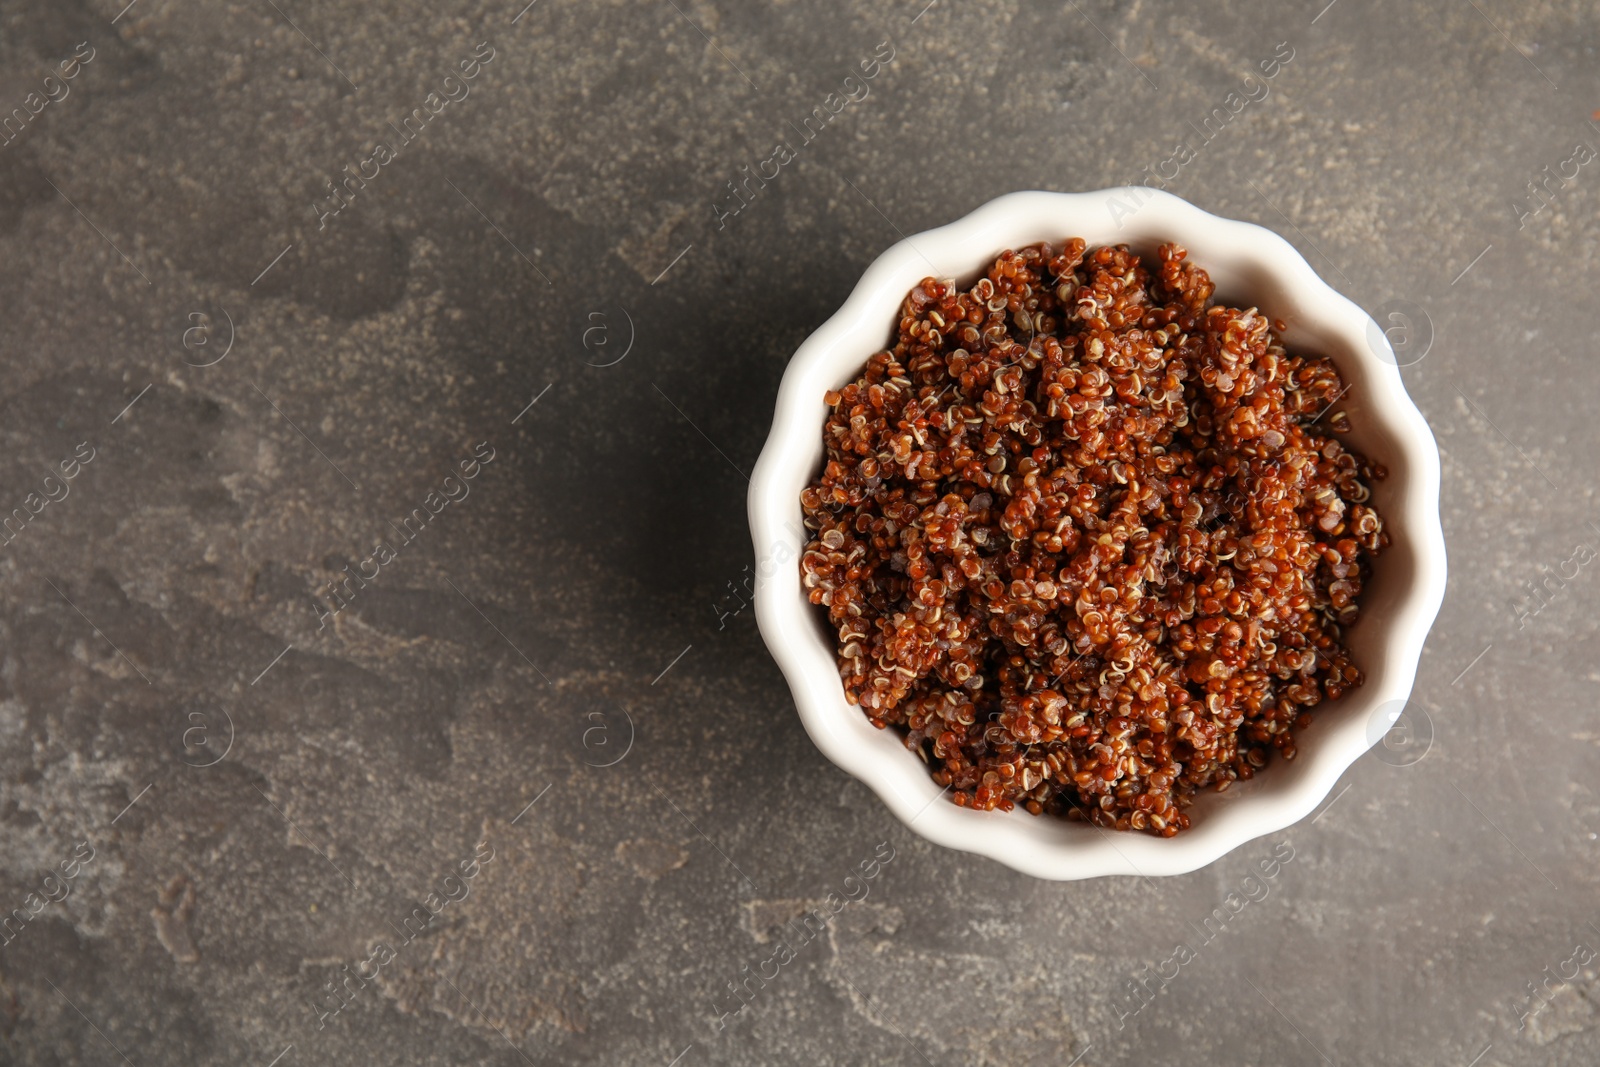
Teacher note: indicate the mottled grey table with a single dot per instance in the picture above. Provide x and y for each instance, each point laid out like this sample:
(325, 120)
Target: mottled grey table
(390, 623)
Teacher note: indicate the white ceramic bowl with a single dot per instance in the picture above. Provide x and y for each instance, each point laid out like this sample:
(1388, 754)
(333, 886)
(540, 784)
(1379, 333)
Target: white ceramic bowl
(1251, 266)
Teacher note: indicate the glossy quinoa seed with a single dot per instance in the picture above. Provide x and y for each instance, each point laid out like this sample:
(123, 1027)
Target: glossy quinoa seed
(1087, 539)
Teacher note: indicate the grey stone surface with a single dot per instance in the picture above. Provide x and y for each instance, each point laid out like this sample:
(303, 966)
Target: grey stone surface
(164, 605)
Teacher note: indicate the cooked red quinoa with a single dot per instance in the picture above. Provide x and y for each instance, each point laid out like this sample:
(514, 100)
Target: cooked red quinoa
(1086, 537)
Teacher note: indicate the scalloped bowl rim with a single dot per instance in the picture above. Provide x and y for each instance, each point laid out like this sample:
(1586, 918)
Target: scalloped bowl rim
(1239, 255)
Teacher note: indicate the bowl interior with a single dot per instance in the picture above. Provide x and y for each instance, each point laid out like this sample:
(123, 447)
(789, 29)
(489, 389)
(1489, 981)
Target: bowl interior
(1251, 267)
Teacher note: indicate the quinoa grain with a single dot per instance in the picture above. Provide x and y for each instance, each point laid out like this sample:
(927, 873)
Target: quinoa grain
(1082, 540)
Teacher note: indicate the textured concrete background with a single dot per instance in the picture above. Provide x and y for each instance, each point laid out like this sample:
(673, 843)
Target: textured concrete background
(251, 802)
